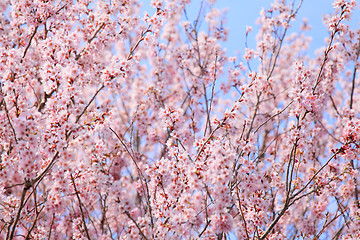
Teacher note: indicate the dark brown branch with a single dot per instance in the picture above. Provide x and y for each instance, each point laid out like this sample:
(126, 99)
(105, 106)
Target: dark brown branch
(207, 140)
(334, 105)
(27, 186)
(136, 224)
(287, 203)
(46, 170)
(254, 116)
(89, 103)
(327, 51)
(242, 214)
(354, 77)
(51, 225)
(142, 177)
(314, 176)
(80, 206)
(292, 15)
(204, 229)
(208, 123)
(36, 217)
(356, 192)
(77, 57)
(9, 119)
(132, 49)
(29, 43)
(44, 100)
(28, 235)
(272, 225)
(209, 106)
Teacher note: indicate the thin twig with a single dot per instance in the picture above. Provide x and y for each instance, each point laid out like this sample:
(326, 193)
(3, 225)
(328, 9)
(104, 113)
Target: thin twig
(277, 114)
(332, 135)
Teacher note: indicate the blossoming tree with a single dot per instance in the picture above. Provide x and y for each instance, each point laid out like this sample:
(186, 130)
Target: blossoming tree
(116, 124)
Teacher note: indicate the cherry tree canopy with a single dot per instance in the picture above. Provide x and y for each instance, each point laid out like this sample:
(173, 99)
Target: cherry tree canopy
(118, 124)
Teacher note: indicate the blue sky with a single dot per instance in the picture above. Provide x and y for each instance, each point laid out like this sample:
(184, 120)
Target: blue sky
(245, 12)
(242, 13)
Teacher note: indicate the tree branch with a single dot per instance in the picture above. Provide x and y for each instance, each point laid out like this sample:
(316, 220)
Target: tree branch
(80, 206)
